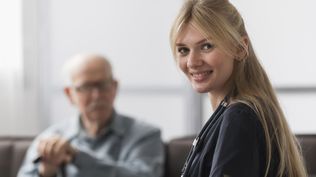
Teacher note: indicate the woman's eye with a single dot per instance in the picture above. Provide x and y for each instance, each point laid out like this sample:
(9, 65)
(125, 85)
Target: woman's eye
(207, 46)
(183, 50)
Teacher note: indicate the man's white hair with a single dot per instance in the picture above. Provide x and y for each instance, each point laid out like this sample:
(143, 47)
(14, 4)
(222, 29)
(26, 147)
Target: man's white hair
(78, 61)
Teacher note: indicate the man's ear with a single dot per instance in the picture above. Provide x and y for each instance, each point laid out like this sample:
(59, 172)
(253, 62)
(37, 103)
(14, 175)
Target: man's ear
(67, 91)
(115, 86)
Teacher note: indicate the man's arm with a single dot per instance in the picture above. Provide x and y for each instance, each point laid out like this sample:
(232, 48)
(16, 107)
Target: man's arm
(28, 168)
(54, 152)
(145, 158)
(31, 169)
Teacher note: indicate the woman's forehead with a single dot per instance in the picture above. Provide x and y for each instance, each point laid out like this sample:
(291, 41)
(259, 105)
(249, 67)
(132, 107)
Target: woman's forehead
(190, 33)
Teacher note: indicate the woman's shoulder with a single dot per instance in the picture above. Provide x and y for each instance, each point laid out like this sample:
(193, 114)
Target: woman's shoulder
(240, 120)
(240, 108)
(240, 112)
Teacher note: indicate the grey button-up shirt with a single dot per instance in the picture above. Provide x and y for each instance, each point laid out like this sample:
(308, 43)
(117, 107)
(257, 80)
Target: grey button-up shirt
(126, 148)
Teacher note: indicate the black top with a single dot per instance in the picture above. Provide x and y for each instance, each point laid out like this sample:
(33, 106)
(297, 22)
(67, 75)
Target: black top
(231, 144)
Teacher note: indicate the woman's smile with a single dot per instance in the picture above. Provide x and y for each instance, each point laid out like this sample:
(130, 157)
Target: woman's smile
(201, 75)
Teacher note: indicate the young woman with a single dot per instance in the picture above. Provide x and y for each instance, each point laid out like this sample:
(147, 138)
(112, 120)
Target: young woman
(247, 135)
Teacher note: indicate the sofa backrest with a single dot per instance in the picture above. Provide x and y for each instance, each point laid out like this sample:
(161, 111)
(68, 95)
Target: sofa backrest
(12, 151)
(176, 152)
(308, 145)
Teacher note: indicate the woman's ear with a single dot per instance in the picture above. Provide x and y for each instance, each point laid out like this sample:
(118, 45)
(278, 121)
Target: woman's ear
(243, 50)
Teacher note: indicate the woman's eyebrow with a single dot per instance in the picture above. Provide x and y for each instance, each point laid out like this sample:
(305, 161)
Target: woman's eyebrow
(180, 44)
(199, 42)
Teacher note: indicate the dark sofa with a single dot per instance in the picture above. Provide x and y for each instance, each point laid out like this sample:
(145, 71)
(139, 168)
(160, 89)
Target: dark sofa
(12, 150)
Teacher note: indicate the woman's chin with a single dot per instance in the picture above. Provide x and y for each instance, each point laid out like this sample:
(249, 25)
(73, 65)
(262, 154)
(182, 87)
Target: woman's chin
(200, 89)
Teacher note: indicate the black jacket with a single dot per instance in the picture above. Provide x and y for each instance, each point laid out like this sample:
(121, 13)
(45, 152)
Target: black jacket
(231, 144)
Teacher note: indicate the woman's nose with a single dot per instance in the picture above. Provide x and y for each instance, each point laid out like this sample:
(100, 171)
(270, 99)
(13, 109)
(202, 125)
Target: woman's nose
(194, 60)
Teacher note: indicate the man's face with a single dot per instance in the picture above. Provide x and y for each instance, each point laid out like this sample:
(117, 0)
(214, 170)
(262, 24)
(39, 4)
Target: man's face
(93, 91)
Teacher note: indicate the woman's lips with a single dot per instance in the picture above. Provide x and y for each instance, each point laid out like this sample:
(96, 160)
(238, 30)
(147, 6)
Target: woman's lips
(200, 76)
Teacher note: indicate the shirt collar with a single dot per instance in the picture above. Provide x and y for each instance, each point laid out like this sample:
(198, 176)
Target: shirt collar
(115, 126)
(73, 128)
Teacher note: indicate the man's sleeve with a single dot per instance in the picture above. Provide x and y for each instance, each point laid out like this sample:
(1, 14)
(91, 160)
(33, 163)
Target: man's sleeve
(145, 158)
(28, 168)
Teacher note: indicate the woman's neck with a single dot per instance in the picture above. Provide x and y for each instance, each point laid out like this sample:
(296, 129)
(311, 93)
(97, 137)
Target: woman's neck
(215, 100)
(217, 97)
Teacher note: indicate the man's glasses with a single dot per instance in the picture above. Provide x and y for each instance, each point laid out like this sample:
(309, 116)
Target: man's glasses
(100, 86)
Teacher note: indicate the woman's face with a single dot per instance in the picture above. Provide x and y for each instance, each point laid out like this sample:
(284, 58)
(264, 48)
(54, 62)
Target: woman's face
(207, 67)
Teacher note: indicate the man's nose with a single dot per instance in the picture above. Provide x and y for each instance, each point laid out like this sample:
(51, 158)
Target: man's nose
(95, 92)
(194, 59)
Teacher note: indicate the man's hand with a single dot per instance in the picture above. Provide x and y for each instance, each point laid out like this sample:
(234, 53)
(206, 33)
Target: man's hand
(54, 152)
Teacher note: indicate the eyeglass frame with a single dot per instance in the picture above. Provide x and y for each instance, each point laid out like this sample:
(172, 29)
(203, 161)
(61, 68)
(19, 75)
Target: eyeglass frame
(102, 86)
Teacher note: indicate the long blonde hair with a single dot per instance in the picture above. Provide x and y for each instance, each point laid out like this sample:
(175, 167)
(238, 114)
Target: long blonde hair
(220, 21)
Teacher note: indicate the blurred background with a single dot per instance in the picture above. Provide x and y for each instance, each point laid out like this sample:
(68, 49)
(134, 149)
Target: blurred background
(37, 36)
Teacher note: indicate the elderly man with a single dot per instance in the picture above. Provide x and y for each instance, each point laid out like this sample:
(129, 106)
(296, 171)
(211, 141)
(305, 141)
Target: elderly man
(98, 142)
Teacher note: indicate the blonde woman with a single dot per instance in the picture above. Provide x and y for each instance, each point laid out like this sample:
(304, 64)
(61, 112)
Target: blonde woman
(247, 135)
